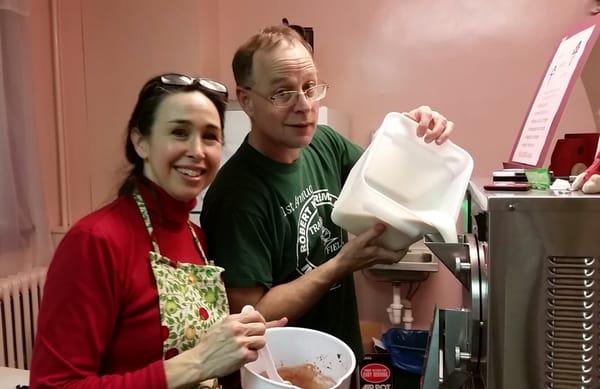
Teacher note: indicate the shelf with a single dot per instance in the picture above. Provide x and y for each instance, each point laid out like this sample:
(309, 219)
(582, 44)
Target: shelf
(414, 267)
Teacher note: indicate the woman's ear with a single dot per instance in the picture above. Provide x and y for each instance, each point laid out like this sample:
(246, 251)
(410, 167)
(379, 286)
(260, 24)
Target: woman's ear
(243, 97)
(140, 143)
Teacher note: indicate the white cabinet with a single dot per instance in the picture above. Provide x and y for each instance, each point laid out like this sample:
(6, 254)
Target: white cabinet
(337, 120)
(237, 126)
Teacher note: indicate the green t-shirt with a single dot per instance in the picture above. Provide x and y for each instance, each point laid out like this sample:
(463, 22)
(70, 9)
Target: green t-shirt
(268, 223)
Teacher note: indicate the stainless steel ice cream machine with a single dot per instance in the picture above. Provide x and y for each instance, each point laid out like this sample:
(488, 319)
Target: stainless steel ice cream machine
(530, 262)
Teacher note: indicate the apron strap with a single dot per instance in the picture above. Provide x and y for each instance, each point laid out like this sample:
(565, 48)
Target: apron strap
(148, 223)
(146, 217)
(198, 244)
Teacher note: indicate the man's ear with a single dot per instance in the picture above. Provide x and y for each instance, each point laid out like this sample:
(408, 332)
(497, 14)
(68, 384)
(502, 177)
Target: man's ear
(140, 143)
(246, 102)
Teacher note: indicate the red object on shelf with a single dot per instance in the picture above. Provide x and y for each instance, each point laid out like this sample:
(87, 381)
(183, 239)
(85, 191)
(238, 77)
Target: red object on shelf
(574, 149)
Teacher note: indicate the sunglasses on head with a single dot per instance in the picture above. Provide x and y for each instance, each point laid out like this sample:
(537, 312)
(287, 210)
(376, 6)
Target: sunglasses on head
(175, 79)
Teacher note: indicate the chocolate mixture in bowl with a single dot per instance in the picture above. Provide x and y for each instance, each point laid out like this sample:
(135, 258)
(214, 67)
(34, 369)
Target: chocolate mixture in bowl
(305, 376)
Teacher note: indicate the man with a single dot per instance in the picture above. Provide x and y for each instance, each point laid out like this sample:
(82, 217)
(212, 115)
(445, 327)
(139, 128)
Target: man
(267, 215)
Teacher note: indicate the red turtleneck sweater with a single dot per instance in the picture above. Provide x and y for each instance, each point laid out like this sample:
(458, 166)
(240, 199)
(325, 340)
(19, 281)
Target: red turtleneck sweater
(99, 323)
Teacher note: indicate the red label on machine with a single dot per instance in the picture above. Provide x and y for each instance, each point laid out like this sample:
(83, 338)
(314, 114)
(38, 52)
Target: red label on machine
(375, 373)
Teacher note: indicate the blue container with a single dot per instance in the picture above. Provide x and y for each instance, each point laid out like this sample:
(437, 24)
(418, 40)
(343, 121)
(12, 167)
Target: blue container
(407, 349)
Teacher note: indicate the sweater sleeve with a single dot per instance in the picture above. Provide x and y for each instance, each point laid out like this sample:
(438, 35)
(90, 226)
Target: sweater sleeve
(78, 317)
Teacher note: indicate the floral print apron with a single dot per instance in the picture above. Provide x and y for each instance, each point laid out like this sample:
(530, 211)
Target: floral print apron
(191, 297)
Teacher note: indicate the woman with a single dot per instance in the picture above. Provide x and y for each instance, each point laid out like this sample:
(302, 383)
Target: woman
(130, 298)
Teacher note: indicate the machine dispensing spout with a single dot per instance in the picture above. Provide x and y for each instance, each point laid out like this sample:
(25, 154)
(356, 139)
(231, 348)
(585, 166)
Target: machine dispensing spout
(455, 256)
(395, 309)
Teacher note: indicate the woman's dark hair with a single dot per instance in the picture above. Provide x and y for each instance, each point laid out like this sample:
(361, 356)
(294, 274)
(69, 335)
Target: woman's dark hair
(142, 118)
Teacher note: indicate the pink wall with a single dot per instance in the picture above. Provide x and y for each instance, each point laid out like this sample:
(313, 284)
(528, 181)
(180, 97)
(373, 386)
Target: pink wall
(106, 50)
(40, 31)
(125, 43)
(477, 62)
(72, 111)
(591, 76)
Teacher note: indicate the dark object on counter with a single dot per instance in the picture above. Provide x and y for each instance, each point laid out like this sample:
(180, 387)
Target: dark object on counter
(507, 186)
(407, 349)
(510, 175)
(306, 32)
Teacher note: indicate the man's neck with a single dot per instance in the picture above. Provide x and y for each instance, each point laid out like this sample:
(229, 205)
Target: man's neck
(271, 150)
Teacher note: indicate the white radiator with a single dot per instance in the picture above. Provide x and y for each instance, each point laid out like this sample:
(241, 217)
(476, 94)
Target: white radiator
(20, 297)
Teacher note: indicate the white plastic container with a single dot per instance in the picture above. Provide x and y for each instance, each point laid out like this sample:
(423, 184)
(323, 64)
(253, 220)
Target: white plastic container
(412, 187)
(293, 346)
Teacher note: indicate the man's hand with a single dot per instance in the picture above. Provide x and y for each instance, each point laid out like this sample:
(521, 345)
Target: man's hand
(362, 251)
(432, 125)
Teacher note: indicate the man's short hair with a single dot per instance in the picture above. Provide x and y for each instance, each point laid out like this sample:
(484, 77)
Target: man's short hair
(266, 39)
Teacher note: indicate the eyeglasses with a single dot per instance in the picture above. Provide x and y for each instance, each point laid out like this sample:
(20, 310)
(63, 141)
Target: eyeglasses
(183, 80)
(288, 98)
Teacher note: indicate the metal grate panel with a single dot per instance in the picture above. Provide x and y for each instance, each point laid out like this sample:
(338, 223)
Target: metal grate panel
(572, 349)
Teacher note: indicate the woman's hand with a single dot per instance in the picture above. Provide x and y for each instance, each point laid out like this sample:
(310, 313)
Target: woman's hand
(230, 344)
(277, 323)
(224, 348)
